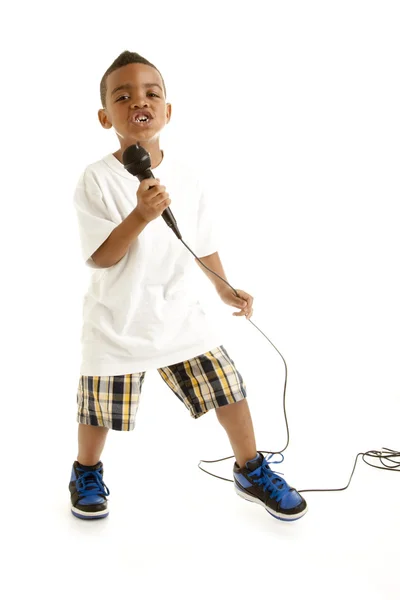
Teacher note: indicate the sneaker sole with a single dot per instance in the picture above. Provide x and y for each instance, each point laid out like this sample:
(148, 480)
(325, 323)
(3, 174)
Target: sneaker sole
(279, 516)
(81, 514)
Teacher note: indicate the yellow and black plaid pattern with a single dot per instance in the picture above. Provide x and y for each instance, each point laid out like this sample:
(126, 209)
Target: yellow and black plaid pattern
(202, 383)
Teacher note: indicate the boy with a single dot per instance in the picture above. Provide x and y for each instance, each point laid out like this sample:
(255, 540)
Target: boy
(140, 311)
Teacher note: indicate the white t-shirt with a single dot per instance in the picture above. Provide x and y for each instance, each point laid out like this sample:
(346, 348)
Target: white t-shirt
(142, 313)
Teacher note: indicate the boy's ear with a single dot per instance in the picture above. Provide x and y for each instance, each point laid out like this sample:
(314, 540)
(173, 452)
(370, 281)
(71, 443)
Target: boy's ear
(102, 116)
(168, 112)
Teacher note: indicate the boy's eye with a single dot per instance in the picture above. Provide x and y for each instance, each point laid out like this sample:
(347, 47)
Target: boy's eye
(125, 96)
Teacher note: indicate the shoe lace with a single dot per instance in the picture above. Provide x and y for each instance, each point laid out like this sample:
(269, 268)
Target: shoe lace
(269, 479)
(90, 482)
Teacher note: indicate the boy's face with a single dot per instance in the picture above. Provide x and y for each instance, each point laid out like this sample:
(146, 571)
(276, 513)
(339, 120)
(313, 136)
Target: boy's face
(143, 96)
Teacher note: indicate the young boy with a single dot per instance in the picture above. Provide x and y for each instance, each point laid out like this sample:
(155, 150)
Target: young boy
(140, 311)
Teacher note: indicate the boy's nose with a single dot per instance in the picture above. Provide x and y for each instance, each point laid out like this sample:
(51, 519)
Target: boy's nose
(139, 103)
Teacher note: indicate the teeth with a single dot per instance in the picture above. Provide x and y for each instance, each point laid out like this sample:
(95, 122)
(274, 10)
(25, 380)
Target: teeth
(142, 119)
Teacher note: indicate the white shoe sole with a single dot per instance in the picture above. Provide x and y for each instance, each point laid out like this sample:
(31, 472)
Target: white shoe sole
(82, 514)
(280, 516)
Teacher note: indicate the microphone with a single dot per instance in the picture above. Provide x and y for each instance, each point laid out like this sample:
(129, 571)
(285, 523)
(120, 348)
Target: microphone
(137, 162)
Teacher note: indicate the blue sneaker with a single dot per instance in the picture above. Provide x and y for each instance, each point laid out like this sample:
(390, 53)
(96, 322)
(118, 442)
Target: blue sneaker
(88, 492)
(257, 482)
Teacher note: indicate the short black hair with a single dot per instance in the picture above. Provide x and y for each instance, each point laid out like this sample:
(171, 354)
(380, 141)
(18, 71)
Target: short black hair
(126, 58)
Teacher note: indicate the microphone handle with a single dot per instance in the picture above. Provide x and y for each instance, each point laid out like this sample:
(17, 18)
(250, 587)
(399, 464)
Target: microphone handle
(167, 213)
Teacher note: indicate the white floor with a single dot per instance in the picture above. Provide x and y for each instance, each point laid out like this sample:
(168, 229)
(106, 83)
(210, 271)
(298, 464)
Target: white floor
(174, 531)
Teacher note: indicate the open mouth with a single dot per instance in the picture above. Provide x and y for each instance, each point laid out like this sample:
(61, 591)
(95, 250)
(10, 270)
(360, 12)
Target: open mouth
(142, 118)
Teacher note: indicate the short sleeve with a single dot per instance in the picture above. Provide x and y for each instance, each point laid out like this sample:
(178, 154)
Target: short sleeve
(206, 240)
(94, 221)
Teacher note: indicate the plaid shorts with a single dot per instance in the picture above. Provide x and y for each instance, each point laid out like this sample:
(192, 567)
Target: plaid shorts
(201, 383)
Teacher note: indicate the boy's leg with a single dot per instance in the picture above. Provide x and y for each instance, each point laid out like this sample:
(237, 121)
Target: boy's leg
(252, 483)
(236, 420)
(203, 383)
(91, 441)
(87, 488)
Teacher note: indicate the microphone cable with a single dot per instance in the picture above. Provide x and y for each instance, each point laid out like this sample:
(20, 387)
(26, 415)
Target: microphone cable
(387, 459)
(137, 162)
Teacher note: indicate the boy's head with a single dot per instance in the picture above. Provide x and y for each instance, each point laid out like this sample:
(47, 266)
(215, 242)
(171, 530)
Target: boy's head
(132, 88)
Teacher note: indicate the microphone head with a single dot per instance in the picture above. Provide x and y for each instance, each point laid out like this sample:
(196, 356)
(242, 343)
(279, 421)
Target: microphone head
(136, 160)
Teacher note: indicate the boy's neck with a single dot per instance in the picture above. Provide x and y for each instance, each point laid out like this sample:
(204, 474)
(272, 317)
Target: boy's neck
(156, 155)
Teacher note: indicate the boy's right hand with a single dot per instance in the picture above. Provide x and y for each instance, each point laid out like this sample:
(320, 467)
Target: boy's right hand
(152, 199)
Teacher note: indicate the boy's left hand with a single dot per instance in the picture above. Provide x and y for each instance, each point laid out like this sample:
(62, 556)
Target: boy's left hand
(245, 302)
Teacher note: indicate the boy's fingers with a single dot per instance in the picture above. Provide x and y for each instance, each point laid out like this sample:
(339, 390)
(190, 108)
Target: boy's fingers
(146, 184)
(247, 309)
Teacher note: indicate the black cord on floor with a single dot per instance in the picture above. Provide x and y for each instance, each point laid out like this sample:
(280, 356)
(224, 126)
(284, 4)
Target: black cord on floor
(384, 456)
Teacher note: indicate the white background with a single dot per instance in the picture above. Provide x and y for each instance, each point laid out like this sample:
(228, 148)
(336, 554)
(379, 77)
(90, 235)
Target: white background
(291, 111)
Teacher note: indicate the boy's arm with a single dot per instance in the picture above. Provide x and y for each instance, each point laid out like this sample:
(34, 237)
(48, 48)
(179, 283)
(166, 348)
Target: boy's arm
(117, 244)
(212, 261)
